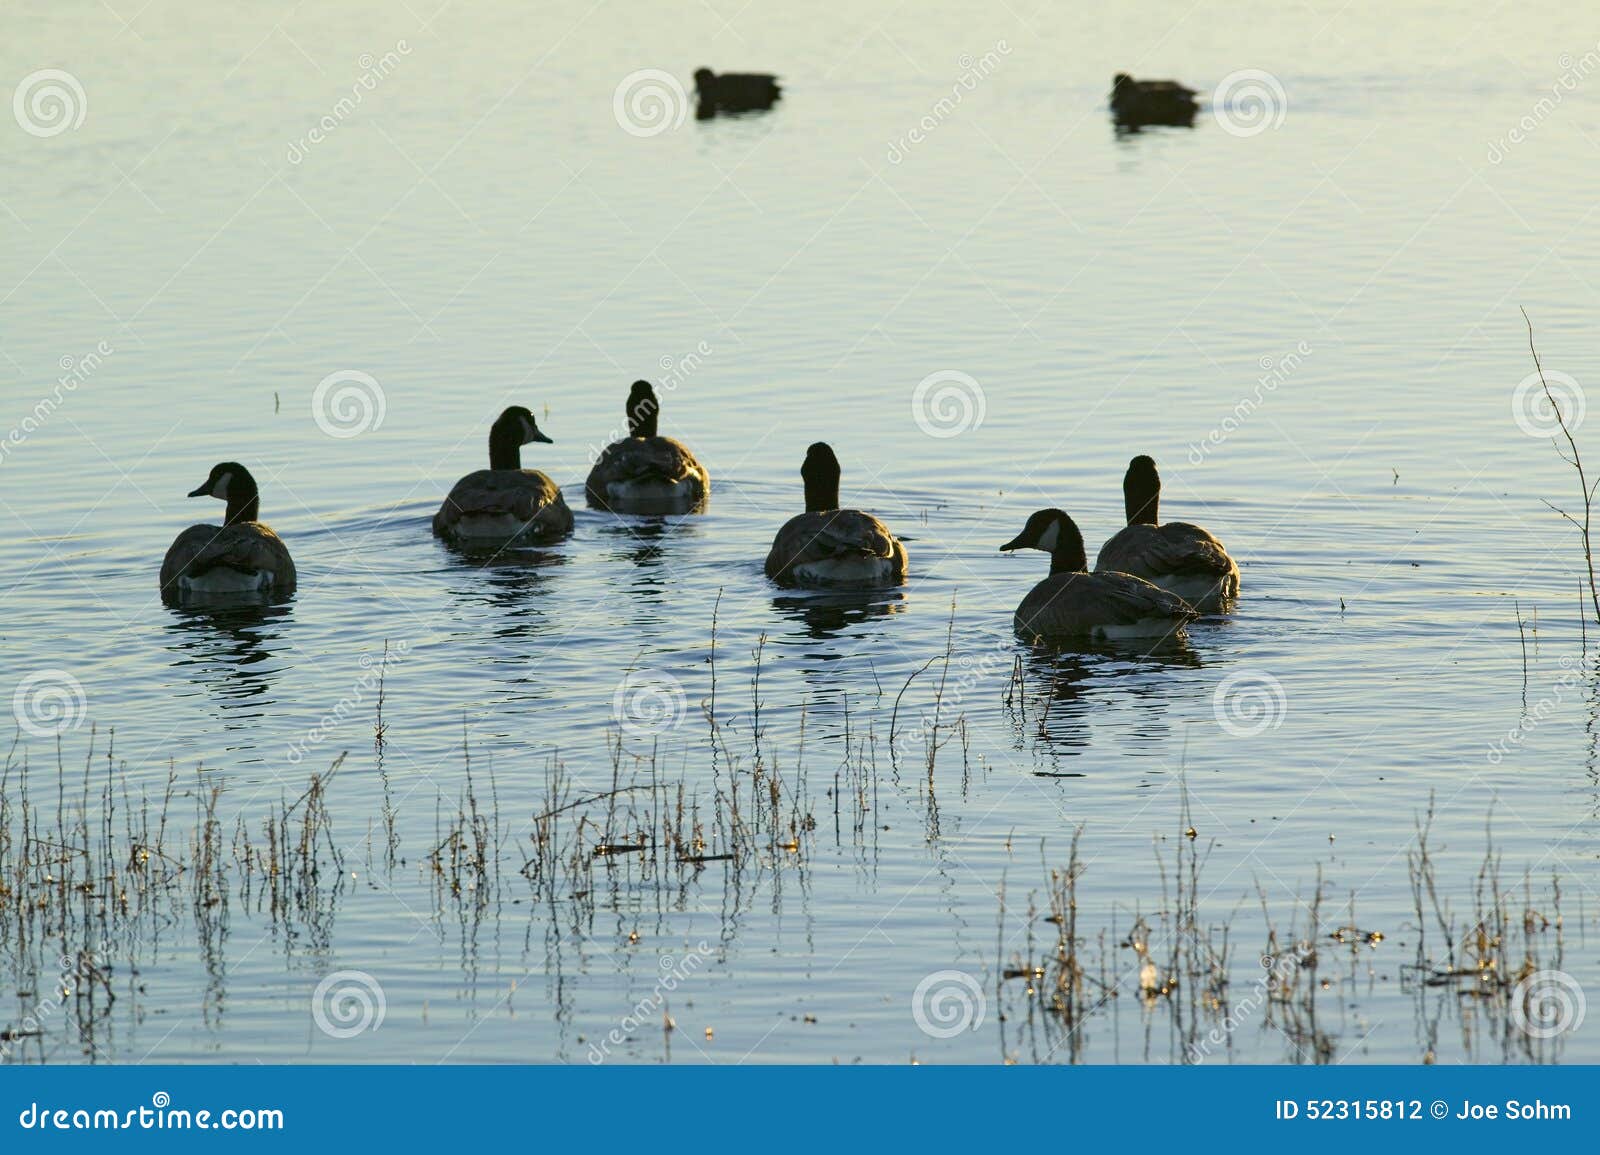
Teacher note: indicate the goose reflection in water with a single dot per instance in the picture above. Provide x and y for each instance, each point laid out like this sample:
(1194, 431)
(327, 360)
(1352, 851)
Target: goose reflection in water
(513, 583)
(1063, 691)
(826, 616)
(646, 542)
(229, 648)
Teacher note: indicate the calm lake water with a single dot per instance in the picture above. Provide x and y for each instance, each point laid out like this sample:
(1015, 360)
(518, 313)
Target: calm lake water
(1305, 307)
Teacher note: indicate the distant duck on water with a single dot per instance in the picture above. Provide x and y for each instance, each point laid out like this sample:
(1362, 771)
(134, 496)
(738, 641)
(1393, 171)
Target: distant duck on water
(645, 472)
(1135, 103)
(1071, 603)
(831, 548)
(505, 505)
(242, 556)
(734, 91)
(1180, 558)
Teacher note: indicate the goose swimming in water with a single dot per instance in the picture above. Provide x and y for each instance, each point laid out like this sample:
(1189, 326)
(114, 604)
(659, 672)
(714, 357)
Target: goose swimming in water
(505, 504)
(734, 91)
(1155, 102)
(1100, 605)
(240, 556)
(645, 472)
(1180, 558)
(830, 547)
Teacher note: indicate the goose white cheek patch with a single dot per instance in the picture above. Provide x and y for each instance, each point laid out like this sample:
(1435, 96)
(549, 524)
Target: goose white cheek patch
(1047, 539)
(220, 489)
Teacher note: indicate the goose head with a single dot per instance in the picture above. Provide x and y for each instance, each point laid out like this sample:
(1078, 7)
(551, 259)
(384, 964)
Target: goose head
(644, 410)
(1141, 492)
(820, 472)
(704, 78)
(231, 482)
(511, 431)
(1057, 534)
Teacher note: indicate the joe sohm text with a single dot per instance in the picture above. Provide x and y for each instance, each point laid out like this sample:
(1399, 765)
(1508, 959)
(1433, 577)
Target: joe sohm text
(1510, 1111)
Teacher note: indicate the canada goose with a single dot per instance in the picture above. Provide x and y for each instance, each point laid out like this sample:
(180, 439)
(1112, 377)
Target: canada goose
(1101, 605)
(832, 547)
(1180, 558)
(645, 472)
(735, 91)
(1140, 102)
(242, 555)
(505, 504)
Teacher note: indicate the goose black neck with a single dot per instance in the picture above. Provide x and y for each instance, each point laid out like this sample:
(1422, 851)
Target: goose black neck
(643, 411)
(1068, 556)
(505, 448)
(1141, 495)
(243, 507)
(822, 494)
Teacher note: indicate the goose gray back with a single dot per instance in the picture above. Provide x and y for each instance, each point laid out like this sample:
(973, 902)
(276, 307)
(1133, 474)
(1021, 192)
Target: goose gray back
(644, 472)
(831, 548)
(1180, 558)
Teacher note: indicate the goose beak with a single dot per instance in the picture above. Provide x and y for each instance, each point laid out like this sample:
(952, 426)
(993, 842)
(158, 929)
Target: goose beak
(1013, 544)
(538, 436)
(203, 490)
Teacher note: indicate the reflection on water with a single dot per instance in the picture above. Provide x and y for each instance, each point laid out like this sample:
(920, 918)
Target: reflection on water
(511, 583)
(827, 615)
(1061, 690)
(228, 649)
